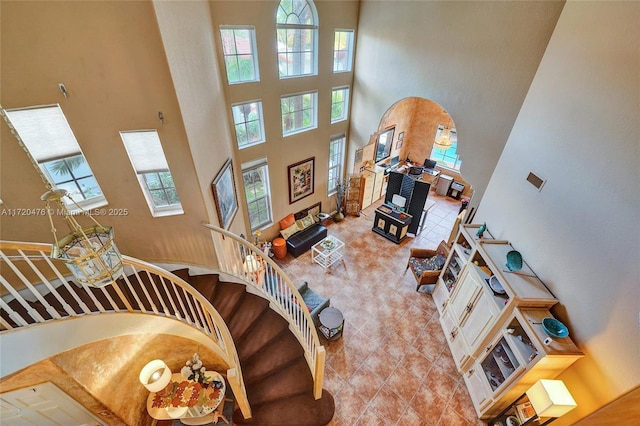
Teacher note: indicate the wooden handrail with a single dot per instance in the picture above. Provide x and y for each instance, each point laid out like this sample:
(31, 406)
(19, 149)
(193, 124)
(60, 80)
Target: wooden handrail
(31, 274)
(242, 260)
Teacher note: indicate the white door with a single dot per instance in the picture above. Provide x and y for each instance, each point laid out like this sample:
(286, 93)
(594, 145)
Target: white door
(43, 405)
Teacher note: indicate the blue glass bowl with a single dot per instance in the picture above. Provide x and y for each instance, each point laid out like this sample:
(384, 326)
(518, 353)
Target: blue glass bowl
(514, 260)
(554, 328)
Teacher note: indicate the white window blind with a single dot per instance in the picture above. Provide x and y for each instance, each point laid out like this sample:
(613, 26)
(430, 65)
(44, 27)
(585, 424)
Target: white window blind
(45, 131)
(145, 151)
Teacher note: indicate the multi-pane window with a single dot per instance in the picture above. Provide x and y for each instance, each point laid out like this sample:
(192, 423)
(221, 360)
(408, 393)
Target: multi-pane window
(249, 124)
(240, 54)
(298, 112)
(343, 50)
(336, 161)
(339, 104)
(447, 157)
(148, 161)
(255, 177)
(50, 141)
(297, 28)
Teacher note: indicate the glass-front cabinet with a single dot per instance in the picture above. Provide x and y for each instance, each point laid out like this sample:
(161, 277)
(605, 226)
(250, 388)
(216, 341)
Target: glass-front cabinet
(513, 361)
(462, 249)
(491, 317)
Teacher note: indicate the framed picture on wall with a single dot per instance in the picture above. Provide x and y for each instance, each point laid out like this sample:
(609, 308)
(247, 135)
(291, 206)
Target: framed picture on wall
(384, 143)
(400, 140)
(301, 179)
(224, 194)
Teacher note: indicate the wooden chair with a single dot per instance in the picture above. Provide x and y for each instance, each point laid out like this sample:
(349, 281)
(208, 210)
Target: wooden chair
(417, 259)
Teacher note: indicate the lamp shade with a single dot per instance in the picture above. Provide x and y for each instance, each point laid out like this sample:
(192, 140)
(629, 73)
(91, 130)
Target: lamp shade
(251, 264)
(155, 376)
(551, 398)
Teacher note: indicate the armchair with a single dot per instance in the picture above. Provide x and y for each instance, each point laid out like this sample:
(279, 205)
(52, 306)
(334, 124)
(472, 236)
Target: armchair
(426, 264)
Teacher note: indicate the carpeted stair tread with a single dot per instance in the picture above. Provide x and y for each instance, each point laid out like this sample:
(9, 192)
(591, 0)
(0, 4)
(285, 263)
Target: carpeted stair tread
(205, 284)
(226, 297)
(24, 313)
(293, 379)
(265, 329)
(248, 309)
(283, 350)
(297, 410)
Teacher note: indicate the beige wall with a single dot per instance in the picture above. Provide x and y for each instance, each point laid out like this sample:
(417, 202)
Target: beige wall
(281, 152)
(580, 233)
(103, 376)
(110, 57)
(475, 59)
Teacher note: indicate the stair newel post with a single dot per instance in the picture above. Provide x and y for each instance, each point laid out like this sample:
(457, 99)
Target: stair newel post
(239, 392)
(321, 355)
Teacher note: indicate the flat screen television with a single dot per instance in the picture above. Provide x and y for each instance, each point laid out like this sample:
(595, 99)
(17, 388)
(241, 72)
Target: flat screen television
(384, 144)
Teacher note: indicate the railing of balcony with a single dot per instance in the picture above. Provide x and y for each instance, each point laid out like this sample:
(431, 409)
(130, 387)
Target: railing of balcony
(239, 258)
(35, 289)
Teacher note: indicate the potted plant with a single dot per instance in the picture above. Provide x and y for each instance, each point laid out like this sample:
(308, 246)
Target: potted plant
(341, 190)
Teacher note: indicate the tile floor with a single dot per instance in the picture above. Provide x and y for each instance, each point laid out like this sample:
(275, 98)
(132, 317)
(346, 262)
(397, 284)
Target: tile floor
(392, 366)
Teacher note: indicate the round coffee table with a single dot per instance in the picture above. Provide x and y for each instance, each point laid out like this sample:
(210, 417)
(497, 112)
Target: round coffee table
(331, 323)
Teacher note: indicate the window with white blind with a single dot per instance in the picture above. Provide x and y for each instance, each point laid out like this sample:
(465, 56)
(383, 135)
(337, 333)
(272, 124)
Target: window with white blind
(336, 162)
(343, 51)
(49, 139)
(240, 54)
(255, 178)
(148, 161)
(339, 104)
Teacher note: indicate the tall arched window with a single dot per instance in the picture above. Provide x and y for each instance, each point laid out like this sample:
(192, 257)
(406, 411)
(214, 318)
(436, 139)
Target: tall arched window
(297, 30)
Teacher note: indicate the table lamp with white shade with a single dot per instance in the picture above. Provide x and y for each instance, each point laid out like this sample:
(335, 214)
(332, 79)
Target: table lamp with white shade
(155, 376)
(550, 398)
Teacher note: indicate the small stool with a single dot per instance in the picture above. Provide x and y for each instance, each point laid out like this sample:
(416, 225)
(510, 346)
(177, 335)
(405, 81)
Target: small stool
(279, 246)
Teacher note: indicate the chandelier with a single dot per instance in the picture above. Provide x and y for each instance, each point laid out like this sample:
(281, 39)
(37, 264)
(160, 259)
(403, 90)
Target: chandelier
(443, 138)
(90, 253)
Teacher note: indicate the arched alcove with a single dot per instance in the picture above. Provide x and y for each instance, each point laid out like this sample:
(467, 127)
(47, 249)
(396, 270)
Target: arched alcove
(415, 123)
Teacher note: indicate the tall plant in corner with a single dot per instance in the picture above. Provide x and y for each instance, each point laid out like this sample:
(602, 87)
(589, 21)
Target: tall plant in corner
(341, 190)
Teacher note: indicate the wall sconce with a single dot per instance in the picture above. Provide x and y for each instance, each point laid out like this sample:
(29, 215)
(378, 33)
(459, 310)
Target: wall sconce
(550, 398)
(155, 376)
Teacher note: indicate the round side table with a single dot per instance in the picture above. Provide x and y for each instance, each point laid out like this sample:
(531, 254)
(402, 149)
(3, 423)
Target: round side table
(331, 323)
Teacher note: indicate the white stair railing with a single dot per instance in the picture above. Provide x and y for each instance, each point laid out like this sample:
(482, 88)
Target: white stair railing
(34, 290)
(239, 258)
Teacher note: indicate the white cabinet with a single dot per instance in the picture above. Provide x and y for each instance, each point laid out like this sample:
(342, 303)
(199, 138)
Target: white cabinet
(515, 359)
(371, 186)
(491, 319)
(463, 247)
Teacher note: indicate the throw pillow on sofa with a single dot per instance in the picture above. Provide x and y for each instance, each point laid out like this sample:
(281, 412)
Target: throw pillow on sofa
(305, 222)
(289, 231)
(287, 221)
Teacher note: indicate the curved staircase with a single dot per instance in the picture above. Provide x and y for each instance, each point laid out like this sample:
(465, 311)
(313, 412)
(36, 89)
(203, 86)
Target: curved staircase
(258, 326)
(277, 377)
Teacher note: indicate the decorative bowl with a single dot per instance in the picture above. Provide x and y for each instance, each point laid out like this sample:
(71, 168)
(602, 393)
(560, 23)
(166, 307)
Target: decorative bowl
(514, 260)
(554, 328)
(495, 285)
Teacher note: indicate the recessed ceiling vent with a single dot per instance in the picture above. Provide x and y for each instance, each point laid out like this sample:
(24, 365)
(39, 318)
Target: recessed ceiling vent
(536, 181)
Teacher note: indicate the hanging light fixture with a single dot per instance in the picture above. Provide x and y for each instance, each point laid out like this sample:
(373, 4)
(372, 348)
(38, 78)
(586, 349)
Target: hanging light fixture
(90, 253)
(443, 138)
